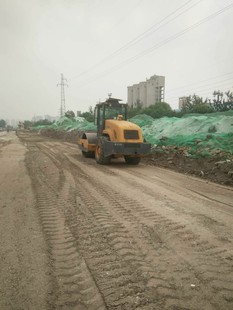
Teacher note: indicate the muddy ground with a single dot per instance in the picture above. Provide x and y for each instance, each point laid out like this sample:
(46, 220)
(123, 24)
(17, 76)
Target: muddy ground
(77, 235)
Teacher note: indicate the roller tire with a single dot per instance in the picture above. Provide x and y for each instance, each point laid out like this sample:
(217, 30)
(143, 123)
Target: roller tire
(99, 152)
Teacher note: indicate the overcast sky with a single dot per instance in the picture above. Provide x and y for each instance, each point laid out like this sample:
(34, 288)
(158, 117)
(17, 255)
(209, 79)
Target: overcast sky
(103, 46)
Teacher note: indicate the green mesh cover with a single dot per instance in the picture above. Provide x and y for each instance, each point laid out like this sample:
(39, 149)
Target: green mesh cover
(203, 134)
(69, 124)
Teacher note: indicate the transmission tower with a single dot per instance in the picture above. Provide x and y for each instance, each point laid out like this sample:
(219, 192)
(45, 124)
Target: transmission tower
(63, 101)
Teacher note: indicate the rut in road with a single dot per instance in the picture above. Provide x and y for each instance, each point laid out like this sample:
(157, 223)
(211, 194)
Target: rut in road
(206, 264)
(73, 286)
(125, 246)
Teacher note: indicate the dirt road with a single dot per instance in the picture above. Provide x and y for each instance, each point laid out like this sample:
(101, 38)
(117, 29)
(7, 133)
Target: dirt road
(77, 235)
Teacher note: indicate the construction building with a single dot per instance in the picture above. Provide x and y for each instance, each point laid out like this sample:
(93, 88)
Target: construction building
(147, 93)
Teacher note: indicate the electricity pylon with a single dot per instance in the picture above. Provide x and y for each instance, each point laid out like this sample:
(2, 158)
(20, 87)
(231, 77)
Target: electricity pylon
(63, 100)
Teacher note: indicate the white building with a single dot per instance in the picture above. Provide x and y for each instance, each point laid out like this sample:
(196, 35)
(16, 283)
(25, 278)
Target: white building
(147, 93)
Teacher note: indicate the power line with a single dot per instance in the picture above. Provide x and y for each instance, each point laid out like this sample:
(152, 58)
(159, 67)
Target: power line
(160, 44)
(177, 35)
(148, 32)
(140, 37)
(206, 88)
(171, 38)
(201, 81)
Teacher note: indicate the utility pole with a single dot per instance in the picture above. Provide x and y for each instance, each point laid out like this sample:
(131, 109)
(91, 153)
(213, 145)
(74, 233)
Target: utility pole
(63, 101)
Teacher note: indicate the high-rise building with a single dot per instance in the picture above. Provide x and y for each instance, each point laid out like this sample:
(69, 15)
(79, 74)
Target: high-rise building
(147, 93)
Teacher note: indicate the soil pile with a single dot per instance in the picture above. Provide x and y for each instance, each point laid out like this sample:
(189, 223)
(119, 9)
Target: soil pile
(217, 168)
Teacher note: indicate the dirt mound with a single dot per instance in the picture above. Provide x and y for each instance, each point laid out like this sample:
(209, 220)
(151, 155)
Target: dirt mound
(217, 168)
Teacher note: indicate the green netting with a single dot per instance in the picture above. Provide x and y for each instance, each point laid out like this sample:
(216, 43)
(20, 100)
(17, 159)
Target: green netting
(202, 134)
(69, 124)
(202, 144)
(39, 127)
(142, 120)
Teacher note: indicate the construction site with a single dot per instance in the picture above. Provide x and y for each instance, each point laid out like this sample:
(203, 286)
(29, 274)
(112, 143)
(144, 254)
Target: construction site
(79, 233)
(116, 155)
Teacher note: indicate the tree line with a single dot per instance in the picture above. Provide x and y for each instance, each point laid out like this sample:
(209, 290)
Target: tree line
(221, 102)
(192, 104)
(2, 123)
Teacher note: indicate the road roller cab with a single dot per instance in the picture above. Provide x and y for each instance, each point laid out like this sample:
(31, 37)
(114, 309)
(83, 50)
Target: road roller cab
(115, 136)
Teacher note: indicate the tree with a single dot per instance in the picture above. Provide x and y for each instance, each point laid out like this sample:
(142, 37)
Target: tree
(2, 123)
(158, 110)
(202, 108)
(196, 104)
(135, 109)
(220, 103)
(90, 110)
(88, 116)
(218, 96)
(28, 124)
(229, 96)
(70, 114)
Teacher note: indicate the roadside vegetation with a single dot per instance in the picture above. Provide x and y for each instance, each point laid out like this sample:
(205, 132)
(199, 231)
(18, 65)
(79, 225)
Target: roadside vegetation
(220, 102)
(2, 124)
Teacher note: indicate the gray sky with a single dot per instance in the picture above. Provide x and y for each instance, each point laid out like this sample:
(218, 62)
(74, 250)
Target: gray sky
(103, 46)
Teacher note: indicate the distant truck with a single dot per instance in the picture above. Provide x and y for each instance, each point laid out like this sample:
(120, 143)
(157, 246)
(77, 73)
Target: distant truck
(115, 136)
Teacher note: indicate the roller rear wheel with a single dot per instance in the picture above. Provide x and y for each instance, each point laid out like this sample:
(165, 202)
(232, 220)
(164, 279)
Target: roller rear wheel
(99, 152)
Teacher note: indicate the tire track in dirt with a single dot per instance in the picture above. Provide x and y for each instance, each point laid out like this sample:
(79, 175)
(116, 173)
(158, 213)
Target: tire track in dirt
(112, 254)
(202, 252)
(3, 143)
(186, 194)
(213, 224)
(120, 249)
(73, 285)
(128, 248)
